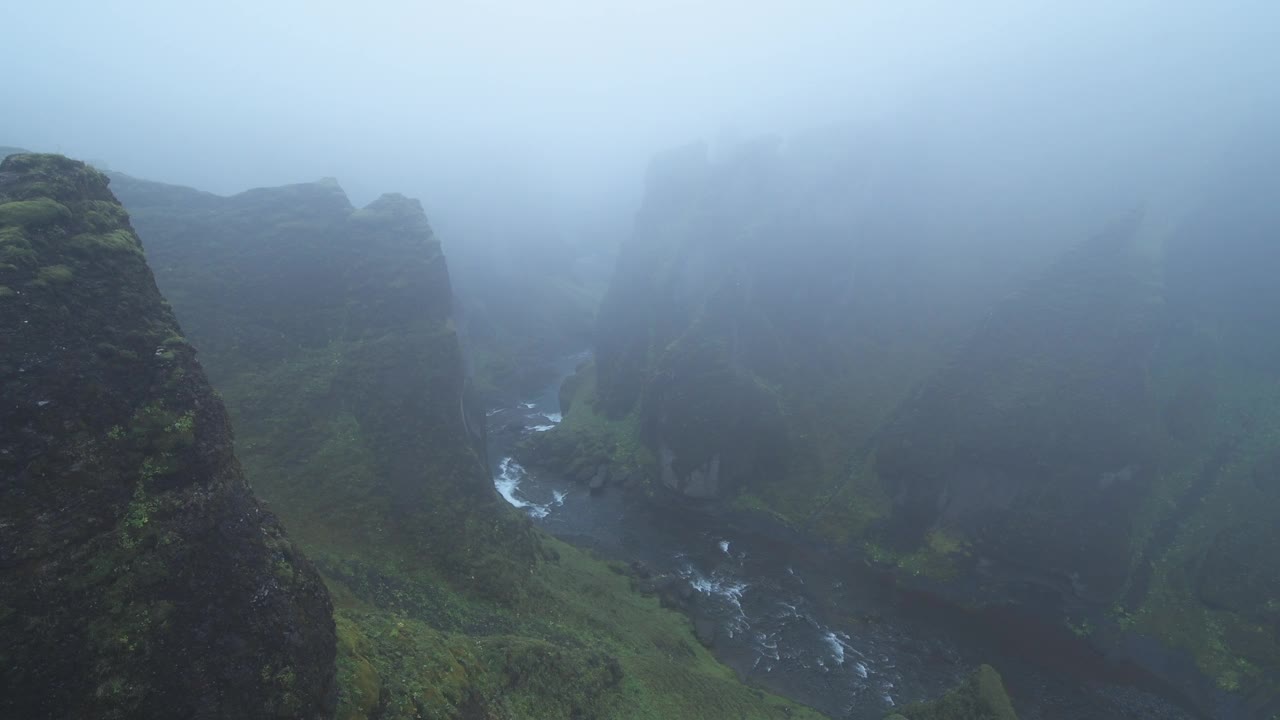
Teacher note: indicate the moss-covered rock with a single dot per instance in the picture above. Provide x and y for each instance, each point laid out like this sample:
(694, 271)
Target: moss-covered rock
(981, 697)
(140, 577)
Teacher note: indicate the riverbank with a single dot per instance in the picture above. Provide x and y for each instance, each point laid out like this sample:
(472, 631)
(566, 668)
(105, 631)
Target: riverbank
(803, 621)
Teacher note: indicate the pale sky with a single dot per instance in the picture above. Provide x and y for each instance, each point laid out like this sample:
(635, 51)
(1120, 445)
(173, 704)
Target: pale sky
(501, 114)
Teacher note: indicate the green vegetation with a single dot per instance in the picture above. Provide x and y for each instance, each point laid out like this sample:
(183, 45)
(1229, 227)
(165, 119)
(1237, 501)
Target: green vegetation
(587, 439)
(981, 697)
(1204, 594)
(53, 275)
(37, 213)
(122, 488)
(936, 558)
(583, 644)
(115, 240)
(328, 331)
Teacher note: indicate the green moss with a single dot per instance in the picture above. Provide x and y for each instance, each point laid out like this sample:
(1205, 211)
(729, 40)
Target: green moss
(1204, 594)
(156, 544)
(15, 248)
(6, 292)
(162, 431)
(113, 241)
(588, 438)
(936, 558)
(53, 275)
(104, 217)
(138, 514)
(848, 510)
(33, 213)
(748, 502)
(981, 697)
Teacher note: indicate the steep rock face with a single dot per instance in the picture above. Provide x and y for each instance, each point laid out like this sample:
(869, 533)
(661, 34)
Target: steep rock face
(1205, 574)
(771, 310)
(140, 576)
(328, 329)
(1099, 450)
(1036, 443)
(1105, 449)
(710, 419)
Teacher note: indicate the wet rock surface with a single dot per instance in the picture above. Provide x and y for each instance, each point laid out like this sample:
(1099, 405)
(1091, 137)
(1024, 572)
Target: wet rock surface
(139, 576)
(795, 618)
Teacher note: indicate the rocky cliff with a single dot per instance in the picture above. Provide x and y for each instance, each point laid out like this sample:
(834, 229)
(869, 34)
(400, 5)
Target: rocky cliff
(139, 577)
(770, 312)
(1102, 451)
(1036, 443)
(1083, 432)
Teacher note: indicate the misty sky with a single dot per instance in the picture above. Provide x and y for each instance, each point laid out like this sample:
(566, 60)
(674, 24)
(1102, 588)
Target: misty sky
(508, 114)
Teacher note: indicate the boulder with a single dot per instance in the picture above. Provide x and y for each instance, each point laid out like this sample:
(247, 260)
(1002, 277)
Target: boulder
(599, 479)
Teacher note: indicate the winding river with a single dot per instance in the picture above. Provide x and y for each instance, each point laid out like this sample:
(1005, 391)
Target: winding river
(842, 643)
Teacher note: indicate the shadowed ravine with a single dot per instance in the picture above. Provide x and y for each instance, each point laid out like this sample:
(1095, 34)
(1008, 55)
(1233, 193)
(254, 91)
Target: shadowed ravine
(848, 644)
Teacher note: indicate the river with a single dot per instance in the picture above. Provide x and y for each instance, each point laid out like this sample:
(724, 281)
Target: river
(840, 642)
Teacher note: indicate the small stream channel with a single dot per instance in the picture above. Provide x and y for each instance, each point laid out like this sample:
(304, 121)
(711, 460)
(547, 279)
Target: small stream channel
(845, 643)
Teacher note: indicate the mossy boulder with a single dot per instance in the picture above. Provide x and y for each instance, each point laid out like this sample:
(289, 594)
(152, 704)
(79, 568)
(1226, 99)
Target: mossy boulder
(139, 577)
(981, 697)
(33, 213)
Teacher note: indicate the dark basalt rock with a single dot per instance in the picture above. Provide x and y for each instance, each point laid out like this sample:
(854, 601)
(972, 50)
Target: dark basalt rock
(1036, 442)
(139, 577)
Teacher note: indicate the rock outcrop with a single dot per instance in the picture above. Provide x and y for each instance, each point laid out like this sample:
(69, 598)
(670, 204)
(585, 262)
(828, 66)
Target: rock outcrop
(139, 577)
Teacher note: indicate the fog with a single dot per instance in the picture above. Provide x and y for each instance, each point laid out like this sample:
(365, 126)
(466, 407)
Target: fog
(510, 119)
(940, 333)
